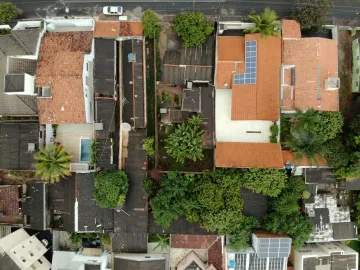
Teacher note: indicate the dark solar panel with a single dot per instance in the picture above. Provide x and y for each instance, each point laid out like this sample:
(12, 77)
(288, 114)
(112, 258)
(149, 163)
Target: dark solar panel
(249, 77)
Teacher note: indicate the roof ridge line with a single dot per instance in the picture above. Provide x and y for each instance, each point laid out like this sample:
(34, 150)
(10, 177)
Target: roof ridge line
(26, 104)
(20, 42)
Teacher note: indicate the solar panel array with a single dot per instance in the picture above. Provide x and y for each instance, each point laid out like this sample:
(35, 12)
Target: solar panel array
(249, 77)
(274, 247)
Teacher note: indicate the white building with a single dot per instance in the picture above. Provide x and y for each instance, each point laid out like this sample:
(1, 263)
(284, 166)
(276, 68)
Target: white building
(87, 258)
(325, 256)
(19, 250)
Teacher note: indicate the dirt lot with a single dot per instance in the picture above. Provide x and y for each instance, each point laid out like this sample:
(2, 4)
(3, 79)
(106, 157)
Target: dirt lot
(172, 92)
(169, 40)
(348, 105)
(8, 177)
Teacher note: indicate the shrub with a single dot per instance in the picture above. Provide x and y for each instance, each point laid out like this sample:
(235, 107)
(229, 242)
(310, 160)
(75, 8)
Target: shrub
(274, 129)
(269, 182)
(165, 97)
(5, 31)
(329, 125)
(8, 12)
(240, 239)
(176, 99)
(105, 238)
(312, 14)
(149, 146)
(111, 188)
(75, 238)
(335, 154)
(151, 25)
(148, 185)
(13, 173)
(93, 149)
(186, 141)
(192, 28)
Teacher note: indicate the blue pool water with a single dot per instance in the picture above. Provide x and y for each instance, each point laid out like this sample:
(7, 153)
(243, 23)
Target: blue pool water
(85, 154)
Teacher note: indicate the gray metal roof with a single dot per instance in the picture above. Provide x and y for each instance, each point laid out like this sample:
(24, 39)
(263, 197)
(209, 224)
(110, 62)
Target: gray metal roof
(14, 140)
(14, 83)
(21, 65)
(92, 267)
(124, 264)
(104, 66)
(36, 205)
(7, 263)
(345, 230)
(189, 64)
(343, 261)
(352, 184)
(191, 100)
(319, 176)
(20, 42)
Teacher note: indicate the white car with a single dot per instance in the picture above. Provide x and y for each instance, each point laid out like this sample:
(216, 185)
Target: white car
(113, 10)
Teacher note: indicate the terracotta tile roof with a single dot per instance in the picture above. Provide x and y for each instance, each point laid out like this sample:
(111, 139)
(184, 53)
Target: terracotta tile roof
(192, 241)
(9, 200)
(258, 101)
(248, 155)
(266, 234)
(118, 29)
(289, 156)
(60, 66)
(215, 255)
(315, 60)
(290, 29)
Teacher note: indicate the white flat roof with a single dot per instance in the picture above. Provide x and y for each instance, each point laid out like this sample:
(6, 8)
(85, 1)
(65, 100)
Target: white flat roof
(228, 130)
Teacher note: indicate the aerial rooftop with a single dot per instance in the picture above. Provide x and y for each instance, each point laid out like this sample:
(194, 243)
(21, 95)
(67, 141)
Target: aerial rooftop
(60, 67)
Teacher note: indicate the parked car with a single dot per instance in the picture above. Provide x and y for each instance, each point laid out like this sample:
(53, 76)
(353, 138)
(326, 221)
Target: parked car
(109, 10)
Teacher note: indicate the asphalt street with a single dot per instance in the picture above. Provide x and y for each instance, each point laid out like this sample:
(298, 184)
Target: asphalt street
(343, 9)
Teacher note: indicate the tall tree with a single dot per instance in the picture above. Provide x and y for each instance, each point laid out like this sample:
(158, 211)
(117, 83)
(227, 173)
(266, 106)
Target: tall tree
(52, 162)
(186, 141)
(266, 23)
(312, 14)
(151, 25)
(111, 188)
(305, 122)
(193, 28)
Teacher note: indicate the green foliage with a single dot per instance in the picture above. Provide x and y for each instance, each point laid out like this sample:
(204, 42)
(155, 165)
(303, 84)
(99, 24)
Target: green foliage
(351, 171)
(13, 173)
(52, 163)
(93, 149)
(240, 239)
(312, 14)
(285, 128)
(8, 12)
(193, 28)
(151, 24)
(54, 126)
(305, 122)
(294, 225)
(148, 185)
(218, 195)
(105, 238)
(165, 97)
(329, 125)
(111, 188)
(335, 154)
(173, 199)
(75, 238)
(266, 23)
(270, 182)
(186, 141)
(5, 31)
(176, 99)
(163, 241)
(274, 129)
(149, 146)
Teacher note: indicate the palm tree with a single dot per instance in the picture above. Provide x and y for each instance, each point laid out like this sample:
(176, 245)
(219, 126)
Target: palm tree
(306, 147)
(52, 162)
(305, 122)
(265, 24)
(163, 242)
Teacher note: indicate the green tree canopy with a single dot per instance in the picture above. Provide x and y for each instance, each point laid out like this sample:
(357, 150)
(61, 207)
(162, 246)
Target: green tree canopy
(149, 146)
(294, 225)
(266, 23)
(151, 25)
(193, 28)
(305, 122)
(270, 182)
(312, 14)
(335, 153)
(329, 125)
(240, 238)
(186, 141)
(111, 188)
(173, 198)
(8, 12)
(52, 162)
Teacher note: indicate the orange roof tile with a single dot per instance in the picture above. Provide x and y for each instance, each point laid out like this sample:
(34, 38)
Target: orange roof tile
(118, 29)
(231, 48)
(315, 60)
(60, 66)
(290, 29)
(288, 156)
(260, 101)
(248, 155)
(192, 241)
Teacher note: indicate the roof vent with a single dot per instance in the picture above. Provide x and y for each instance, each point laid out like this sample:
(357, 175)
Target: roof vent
(31, 147)
(131, 57)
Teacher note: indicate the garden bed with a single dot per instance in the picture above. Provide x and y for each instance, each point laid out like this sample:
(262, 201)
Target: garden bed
(9, 177)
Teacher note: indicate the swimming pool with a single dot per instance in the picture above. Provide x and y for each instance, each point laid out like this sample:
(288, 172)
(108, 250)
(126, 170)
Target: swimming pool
(85, 149)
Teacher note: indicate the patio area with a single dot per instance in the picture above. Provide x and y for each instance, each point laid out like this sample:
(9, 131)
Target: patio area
(71, 136)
